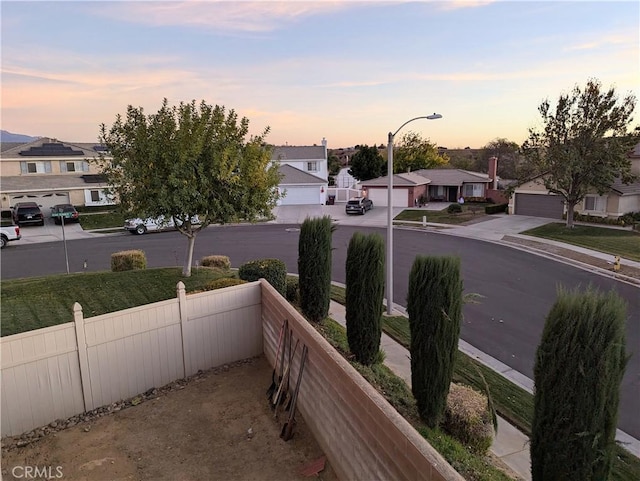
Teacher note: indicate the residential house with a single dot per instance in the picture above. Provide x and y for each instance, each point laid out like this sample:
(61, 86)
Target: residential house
(435, 185)
(304, 173)
(48, 172)
(532, 198)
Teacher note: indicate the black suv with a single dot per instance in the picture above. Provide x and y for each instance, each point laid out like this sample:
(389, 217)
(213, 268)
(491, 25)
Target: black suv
(28, 213)
(358, 205)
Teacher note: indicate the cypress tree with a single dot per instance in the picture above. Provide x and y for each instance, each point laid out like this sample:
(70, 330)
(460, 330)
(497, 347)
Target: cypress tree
(364, 295)
(434, 305)
(579, 366)
(314, 267)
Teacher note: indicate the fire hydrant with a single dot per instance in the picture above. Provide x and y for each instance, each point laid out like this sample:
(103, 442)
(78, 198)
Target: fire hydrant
(616, 264)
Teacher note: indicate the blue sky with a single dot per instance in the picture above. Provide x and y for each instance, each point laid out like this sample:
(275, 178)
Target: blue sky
(346, 71)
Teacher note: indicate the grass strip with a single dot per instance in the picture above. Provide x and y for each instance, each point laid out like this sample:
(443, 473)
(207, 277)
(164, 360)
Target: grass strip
(442, 216)
(102, 220)
(625, 243)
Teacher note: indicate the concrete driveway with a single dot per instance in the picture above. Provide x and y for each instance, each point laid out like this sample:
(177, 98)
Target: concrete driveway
(493, 227)
(296, 214)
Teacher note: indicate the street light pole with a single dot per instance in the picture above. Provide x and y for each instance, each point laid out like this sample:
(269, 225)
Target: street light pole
(390, 209)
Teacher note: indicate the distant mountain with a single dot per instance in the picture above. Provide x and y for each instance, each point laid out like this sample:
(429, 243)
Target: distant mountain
(9, 137)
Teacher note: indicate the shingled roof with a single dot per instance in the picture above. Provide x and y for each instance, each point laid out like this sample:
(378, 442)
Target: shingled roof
(293, 176)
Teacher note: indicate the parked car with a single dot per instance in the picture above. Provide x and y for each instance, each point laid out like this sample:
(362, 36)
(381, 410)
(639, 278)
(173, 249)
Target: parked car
(72, 213)
(142, 226)
(28, 213)
(358, 205)
(9, 233)
(8, 216)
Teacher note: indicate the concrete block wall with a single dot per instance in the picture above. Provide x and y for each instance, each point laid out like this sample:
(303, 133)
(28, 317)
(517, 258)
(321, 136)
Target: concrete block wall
(362, 435)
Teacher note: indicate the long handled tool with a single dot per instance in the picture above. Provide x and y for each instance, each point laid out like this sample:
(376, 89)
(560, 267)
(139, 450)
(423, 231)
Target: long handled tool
(287, 429)
(273, 386)
(283, 390)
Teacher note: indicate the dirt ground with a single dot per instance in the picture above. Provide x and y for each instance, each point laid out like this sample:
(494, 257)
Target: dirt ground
(218, 426)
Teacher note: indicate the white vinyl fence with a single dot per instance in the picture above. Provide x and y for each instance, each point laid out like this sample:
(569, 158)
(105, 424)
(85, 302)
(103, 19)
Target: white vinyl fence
(343, 194)
(60, 371)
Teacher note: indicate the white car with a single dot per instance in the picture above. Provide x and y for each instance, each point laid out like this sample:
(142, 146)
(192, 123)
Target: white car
(142, 226)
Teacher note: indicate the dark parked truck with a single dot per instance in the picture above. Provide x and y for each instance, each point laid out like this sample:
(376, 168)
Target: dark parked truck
(9, 233)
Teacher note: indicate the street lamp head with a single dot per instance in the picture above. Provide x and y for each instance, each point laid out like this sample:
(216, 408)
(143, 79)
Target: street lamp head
(434, 116)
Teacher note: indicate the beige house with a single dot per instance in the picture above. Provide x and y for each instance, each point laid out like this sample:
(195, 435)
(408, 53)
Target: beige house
(532, 198)
(49, 172)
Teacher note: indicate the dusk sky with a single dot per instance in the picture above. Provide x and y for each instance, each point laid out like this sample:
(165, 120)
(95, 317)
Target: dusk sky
(348, 71)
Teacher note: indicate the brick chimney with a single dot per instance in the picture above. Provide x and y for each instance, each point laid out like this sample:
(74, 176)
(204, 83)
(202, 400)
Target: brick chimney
(493, 172)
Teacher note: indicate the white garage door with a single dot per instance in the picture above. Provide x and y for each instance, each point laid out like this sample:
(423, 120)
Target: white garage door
(301, 195)
(46, 200)
(379, 197)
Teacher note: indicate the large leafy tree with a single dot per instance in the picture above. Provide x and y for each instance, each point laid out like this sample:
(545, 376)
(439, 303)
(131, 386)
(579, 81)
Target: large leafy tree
(508, 154)
(366, 163)
(189, 160)
(584, 143)
(415, 153)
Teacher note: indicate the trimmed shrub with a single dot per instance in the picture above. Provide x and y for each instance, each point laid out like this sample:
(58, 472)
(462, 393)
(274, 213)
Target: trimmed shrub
(223, 282)
(293, 295)
(454, 208)
(128, 260)
(314, 267)
(221, 262)
(496, 208)
(580, 362)
(467, 418)
(434, 305)
(273, 271)
(364, 295)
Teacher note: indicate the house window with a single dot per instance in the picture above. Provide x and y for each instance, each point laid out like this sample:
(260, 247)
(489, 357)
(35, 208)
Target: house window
(74, 166)
(95, 196)
(595, 203)
(312, 166)
(473, 190)
(41, 167)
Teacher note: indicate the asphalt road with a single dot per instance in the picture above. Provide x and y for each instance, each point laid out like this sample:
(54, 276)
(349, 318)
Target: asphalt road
(517, 288)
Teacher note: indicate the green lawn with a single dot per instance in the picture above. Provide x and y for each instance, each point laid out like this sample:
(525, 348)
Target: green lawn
(101, 220)
(33, 303)
(624, 243)
(469, 212)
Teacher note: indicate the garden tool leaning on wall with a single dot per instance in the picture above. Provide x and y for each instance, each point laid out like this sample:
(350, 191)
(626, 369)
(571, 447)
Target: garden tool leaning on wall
(287, 429)
(279, 353)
